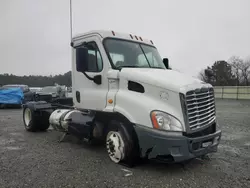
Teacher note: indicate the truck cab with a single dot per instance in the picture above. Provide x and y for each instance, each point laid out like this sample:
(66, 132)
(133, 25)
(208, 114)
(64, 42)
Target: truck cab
(136, 103)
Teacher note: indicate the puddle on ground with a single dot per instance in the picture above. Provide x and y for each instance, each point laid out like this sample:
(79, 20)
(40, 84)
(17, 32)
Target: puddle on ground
(4, 141)
(228, 136)
(16, 134)
(247, 144)
(229, 149)
(12, 148)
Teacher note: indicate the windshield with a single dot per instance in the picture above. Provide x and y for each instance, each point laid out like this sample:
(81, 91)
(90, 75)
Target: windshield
(132, 54)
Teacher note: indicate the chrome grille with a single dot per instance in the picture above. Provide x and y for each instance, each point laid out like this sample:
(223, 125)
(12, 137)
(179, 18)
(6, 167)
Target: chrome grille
(200, 107)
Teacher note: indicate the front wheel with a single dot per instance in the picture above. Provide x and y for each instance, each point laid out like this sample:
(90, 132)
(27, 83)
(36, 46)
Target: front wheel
(121, 144)
(115, 146)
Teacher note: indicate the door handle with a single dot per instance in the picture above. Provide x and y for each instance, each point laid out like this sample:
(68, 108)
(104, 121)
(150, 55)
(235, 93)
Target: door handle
(78, 96)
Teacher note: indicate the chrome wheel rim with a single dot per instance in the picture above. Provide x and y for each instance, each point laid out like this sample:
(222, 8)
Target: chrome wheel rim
(115, 146)
(27, 117)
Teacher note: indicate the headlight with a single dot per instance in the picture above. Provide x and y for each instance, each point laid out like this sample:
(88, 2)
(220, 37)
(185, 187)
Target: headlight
(165, 121)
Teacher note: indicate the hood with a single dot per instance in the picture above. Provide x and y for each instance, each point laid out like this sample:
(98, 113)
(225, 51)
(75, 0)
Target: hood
(163, 78)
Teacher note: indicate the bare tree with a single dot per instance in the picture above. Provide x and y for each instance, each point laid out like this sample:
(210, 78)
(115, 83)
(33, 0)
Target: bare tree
(245, 71)
(202, 76)
(236, 62)
(241, 69)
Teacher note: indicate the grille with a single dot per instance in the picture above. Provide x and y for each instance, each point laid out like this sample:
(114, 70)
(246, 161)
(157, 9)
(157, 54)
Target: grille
(200, 107)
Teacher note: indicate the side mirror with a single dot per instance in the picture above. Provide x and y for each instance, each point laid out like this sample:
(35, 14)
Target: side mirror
(82, 58)
(98, 79)
(165, 61)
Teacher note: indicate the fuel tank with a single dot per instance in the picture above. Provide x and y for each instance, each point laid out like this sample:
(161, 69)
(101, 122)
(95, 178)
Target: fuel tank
(74, 122)
(60, 118)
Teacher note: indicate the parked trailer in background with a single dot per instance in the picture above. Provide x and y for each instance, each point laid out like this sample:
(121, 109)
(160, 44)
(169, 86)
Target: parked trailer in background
(126, 95)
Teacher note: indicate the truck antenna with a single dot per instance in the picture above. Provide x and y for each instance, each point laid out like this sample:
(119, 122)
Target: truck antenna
(70, 12)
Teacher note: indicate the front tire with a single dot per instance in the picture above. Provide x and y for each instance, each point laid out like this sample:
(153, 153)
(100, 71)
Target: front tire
(121, 144)
(115, 146)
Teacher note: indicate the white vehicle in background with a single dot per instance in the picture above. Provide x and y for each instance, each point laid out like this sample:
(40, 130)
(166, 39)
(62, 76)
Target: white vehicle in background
(55, 91)
(69, 92)
(125, 95)
(35, 89)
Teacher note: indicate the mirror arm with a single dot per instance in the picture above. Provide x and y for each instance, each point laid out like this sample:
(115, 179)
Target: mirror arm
(93, 79)
(88, 76)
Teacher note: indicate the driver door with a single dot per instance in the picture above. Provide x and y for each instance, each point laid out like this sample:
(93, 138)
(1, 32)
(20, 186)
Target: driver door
(88, 94)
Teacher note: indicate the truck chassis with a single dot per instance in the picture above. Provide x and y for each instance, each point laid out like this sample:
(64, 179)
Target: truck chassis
(121, 142)
(116, 131)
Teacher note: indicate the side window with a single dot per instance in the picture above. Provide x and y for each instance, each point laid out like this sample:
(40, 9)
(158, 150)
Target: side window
(95, 59)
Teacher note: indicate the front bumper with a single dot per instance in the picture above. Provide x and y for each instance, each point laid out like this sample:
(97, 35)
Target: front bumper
(173, 147)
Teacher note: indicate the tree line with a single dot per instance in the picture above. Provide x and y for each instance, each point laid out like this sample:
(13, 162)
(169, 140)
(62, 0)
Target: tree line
(234, 72)
(36, 81)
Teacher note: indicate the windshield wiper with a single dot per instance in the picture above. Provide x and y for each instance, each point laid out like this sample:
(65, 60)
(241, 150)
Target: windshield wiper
(157, 67)
(126, 66)
(134, 66)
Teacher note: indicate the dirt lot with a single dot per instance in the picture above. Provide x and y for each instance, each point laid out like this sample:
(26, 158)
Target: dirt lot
(37, 160)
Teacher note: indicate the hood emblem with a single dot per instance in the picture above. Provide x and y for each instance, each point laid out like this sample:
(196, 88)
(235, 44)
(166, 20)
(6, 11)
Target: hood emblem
(164, 95)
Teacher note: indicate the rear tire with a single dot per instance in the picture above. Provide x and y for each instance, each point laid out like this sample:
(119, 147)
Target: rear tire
(35, 122)
(121, 145)
(44, 124)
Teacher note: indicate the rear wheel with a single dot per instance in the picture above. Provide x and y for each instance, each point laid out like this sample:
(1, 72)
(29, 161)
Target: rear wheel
(121, 145)
(35, 122)
(27, 117)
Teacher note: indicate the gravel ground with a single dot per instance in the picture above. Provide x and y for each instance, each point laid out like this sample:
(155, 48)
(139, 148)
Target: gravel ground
(38, 160)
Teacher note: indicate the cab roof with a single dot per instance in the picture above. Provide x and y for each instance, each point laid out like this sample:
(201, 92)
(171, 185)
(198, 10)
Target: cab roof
(113, 34)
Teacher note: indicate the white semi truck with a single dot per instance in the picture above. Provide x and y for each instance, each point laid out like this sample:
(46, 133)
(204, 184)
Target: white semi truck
(125, 95)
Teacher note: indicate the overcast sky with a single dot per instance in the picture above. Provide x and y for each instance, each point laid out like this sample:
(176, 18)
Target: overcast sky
(35, 34)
